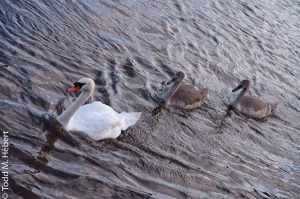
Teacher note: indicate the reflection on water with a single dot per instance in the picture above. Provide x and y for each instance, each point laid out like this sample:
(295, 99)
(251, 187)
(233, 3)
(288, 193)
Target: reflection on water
(129, 48)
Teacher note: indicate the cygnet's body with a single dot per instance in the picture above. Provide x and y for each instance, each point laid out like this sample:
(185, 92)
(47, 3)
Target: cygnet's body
(183, 95)
(252, 106)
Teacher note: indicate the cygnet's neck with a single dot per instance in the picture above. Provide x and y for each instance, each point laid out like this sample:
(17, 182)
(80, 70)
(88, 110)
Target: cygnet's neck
(240, 96)
(169, 94)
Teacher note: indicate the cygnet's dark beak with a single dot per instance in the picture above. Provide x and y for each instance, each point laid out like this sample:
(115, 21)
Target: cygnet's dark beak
(174, 79)
(237, 88)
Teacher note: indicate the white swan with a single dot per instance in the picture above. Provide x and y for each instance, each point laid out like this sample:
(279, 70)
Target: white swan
(97, 120)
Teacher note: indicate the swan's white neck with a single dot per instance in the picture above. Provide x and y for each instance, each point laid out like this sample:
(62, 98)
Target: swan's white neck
(67, 114)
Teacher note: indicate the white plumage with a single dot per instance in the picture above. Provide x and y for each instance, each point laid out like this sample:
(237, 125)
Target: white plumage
(96, 120)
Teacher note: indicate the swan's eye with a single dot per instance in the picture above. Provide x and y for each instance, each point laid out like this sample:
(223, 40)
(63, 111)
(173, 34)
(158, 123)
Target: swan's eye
(79, 84)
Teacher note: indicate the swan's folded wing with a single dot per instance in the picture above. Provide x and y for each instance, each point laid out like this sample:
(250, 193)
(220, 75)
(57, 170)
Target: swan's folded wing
(96, 120)
(255, 107)
(189, 95)
(253, 102)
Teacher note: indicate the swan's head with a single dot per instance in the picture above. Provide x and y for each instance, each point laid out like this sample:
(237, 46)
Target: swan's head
(84, 84)
(244, 84)
(178, 77)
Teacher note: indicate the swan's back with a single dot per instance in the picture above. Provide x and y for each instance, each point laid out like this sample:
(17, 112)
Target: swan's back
(189, 96)
(255, 107)
(253, 102)
(100, 121)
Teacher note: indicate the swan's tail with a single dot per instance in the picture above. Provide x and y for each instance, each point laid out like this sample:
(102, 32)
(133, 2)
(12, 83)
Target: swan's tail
(130, 119)
(274, 106)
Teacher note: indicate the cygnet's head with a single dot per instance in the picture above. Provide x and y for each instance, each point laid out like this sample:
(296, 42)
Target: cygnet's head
(244, 84)
(84, 84)
(178, 77)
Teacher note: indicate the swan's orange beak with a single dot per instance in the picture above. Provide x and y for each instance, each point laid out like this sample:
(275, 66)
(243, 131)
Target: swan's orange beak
(73, 89)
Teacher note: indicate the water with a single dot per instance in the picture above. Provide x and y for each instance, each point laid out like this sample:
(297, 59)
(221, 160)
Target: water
(129, 47)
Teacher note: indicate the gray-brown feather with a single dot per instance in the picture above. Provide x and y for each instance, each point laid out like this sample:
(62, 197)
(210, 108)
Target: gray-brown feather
(188, 96)
(254, 107)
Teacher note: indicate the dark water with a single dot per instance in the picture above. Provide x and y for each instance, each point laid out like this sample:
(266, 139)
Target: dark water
(129, 47)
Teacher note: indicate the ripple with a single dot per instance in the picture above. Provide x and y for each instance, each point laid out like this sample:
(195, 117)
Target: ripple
(129, 48)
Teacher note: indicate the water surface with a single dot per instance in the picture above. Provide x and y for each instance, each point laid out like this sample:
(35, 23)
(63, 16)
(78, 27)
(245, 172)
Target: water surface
(129, 47)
